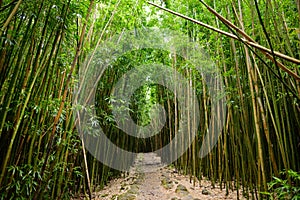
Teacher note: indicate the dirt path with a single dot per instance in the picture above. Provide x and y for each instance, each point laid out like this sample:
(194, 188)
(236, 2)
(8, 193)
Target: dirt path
(148, 180)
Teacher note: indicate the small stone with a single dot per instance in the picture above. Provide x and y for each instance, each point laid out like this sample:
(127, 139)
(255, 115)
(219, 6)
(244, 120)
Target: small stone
(181, 189)
(167, 183)
(205, 192)
(127, 196)
(168, 186)
(134, 189)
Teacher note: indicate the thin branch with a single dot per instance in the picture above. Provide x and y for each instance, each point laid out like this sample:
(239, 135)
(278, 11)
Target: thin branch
(265, 50)
(14, 11)
(2, 8)
(248, 39)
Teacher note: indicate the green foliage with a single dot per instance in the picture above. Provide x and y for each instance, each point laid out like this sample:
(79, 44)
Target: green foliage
(23, 184)
(283, 188)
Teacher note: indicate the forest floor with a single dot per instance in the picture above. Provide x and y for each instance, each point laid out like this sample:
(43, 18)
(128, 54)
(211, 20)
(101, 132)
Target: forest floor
(148, 181)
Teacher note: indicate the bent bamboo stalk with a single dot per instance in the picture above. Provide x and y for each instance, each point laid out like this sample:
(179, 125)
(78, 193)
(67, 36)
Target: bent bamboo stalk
(247, 39)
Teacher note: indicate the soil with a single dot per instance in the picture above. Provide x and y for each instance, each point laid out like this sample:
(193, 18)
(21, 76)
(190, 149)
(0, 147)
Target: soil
(150, 180)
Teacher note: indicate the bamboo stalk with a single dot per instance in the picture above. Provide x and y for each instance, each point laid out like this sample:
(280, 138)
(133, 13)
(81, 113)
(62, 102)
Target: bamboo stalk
(16, 127)
(264, 50)
(14, 11)
(252, 84)
(57, 117)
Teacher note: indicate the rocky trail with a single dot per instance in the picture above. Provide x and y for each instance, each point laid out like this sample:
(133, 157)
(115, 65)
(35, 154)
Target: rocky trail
(149, 180)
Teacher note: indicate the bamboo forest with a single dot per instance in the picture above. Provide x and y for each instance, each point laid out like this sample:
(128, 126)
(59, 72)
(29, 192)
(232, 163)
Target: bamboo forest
(149, 100)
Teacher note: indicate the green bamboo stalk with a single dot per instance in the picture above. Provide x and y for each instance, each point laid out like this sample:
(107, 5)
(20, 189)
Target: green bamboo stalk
(8, 20)
(57, 117)
(16, 127)
(12, 86)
